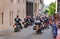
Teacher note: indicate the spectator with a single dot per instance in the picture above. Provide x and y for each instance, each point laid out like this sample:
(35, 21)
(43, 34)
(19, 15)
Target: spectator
(54, 29)
(58, 32)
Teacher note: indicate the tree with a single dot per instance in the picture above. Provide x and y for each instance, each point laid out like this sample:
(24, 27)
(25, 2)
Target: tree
(46, 11)
(52, 8)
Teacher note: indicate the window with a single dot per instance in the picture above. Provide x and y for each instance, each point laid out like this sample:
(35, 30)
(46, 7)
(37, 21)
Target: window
(1, 18)
(11, 18)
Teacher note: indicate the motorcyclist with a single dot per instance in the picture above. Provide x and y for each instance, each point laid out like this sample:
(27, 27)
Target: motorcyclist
(54, 29)
(25, 23)
(46, 22)
(31, 20)
(38, 22)
(25, 20)
(17, 21)
(46, 19)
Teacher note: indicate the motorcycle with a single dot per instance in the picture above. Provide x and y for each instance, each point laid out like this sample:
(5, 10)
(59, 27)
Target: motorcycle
(25, 24)
(37, 28)
(17, 28)
(45, 25)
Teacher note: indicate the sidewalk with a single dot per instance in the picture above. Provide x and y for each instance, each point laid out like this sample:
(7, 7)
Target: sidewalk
(3, 28)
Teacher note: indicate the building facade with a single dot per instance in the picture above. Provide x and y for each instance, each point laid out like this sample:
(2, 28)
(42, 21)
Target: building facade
(35, 7)
(32, 7)
(29, 7)
(58, 6)
(38, 7)
(9, 9)
(41, 7)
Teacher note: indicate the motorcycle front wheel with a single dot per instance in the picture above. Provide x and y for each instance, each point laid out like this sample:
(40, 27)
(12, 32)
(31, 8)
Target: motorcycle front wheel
(39, 31)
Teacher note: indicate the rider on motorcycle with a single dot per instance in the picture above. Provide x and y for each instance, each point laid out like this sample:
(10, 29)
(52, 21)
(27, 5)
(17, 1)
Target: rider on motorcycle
(46, 22)
(38, 24)
(17, 21)
(45, 19)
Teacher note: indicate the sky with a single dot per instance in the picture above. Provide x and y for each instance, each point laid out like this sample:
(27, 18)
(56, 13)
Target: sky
(47, 2)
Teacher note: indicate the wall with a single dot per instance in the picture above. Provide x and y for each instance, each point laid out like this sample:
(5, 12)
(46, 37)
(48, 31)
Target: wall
(10, 10)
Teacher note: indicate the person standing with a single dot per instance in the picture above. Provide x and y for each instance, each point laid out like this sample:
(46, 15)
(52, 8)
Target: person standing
(54, 29)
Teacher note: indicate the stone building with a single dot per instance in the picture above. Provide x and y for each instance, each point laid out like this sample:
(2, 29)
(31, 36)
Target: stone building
(8, 11)
(32, 7)
(29, 7)
(38, 7)
(41, 7)
(10, 8)
(58, 6)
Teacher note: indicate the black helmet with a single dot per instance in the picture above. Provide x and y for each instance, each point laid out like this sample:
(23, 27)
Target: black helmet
(17, 16)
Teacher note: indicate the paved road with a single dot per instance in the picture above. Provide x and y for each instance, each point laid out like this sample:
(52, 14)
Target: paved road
(26, 33)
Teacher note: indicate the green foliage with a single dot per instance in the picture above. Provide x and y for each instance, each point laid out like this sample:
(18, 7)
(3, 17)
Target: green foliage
(46, 11)
(52, 8)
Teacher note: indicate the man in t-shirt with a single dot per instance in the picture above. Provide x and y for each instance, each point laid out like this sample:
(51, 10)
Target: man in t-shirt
(17, 21)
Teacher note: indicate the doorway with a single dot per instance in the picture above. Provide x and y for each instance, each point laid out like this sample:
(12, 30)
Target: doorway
(29, 8)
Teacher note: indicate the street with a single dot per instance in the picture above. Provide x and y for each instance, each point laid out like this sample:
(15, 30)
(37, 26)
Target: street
(26, 33)
(15, 14)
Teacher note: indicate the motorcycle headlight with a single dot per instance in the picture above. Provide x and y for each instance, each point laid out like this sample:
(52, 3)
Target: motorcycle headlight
(24, 23)
(14, 26)
(43, 25)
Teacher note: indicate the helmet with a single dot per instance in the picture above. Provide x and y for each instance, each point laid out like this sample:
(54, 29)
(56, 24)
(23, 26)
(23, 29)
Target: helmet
(17, 16)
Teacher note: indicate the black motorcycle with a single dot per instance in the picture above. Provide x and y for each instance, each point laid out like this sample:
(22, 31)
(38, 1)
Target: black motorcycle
(17, 28)
(37, 28)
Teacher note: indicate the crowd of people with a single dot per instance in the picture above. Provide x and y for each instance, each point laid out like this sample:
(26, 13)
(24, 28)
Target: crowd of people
(37, 19)
(44, 22)
(55, 23)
